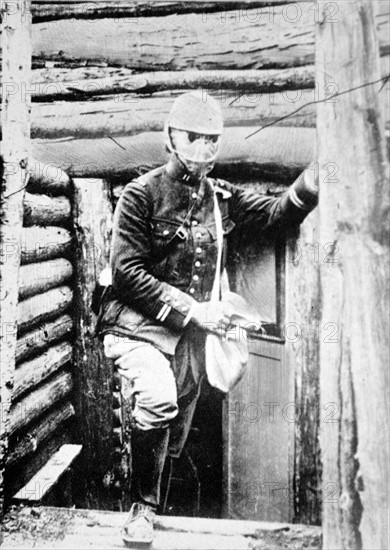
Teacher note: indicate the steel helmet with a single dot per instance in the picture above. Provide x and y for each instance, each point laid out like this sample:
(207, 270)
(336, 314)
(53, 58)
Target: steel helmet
(193, 131)
(196, 112)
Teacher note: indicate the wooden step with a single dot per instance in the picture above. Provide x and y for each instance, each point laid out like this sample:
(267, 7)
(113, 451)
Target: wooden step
(48, 475)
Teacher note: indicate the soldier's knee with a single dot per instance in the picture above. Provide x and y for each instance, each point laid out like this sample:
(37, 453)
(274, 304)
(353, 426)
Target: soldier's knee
(155, 394)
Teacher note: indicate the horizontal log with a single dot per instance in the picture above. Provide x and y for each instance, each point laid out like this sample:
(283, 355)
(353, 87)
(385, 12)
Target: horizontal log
(39, 277)
(83, 82)
(51, 11)
(43, 307)
(47, 179)
(45, 210)
(37, 434)
(31, 373)
(41, 338)
(280, 37)
(280, 152)
(129, 114)
(33, 405)
(44, 243)
(126, 115)
(72, 84)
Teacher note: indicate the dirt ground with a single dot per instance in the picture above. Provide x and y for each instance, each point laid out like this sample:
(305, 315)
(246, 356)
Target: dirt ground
(45, 527)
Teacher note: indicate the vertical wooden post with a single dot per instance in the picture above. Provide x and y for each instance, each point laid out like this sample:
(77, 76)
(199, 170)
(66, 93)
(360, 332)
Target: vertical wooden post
(15, 126)
(93, 373)
(354, 207)
(303, 308)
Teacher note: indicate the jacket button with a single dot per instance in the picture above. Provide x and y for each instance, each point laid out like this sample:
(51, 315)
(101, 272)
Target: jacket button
(198, 235)
(197, 263)
(192, 290)
(196, 277)
(199, 250)
(194, 195)
(194, 223)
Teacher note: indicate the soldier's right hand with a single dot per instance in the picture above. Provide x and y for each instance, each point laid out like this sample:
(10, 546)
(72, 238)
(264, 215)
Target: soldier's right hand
(212, 317)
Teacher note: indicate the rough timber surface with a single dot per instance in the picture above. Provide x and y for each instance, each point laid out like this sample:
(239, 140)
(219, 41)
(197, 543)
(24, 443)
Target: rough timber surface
(58, 528)
(284, 151)
(256, 39)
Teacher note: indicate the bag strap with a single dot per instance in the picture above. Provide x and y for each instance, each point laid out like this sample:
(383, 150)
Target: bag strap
(219, 230)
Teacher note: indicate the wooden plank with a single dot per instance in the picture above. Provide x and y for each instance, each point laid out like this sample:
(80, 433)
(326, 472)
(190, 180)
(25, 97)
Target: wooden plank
(44, 243)
(92, 217)
(256, 39)
(15, 148)
(49, 475)
(285, 152)
(45, 210)
(41, 276)
(30, 374)
(38, 433)
(20, 474)
(43, 336)
(29, 408)
(353, 213)
(43, 307)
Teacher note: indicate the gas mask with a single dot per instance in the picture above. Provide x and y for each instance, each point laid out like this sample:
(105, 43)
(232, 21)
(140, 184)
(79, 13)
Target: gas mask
(197, 152)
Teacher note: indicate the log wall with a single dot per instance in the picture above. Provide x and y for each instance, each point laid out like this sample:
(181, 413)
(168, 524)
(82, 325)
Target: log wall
(41, 406)
(100, 119)
(259, 65)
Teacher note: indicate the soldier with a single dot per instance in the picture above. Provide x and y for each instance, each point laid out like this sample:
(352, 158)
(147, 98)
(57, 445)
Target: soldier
(157, 314)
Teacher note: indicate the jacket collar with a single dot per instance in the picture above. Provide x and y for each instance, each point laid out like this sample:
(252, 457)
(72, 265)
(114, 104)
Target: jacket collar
(178, 172)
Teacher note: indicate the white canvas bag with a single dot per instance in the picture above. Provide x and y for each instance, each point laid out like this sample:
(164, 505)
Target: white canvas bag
(226, 355)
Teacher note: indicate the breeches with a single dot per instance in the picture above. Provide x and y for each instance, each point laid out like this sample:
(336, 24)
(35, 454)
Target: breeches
(163, 390)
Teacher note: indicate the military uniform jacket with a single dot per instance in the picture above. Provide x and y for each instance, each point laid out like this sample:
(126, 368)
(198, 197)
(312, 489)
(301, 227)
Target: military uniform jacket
(155, 285)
